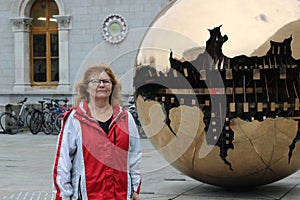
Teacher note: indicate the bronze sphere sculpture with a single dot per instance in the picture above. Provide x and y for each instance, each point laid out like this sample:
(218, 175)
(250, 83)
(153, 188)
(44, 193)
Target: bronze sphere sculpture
(218, 87)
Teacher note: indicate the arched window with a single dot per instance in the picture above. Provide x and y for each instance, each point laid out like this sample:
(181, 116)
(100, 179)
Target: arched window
(44, 41)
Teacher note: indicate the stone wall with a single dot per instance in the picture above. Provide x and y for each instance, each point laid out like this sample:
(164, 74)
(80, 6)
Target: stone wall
(86, 44)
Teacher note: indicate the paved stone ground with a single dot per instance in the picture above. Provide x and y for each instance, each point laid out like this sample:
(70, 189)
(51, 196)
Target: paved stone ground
(29, 195)
(26, 174)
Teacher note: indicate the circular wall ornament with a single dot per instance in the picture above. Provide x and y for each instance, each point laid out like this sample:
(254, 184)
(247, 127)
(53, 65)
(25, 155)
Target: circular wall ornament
(114, 28)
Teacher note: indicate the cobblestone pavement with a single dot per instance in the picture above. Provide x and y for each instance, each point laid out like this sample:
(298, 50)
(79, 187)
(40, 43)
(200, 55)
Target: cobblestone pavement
(26, 174)
(29, 195)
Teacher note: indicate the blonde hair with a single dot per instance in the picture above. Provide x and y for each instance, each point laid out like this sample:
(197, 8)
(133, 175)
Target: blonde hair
(81, 87)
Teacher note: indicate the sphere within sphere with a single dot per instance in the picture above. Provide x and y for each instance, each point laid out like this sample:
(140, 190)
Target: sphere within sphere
(217, 89)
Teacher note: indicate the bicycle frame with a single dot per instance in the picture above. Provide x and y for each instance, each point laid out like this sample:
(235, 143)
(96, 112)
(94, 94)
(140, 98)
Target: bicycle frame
(10, 121)
(21, 115)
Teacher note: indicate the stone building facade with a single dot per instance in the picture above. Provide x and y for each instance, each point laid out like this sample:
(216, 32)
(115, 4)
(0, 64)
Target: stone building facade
(88, 31)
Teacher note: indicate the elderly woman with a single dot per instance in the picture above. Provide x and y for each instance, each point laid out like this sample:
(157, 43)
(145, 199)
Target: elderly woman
(98, 151)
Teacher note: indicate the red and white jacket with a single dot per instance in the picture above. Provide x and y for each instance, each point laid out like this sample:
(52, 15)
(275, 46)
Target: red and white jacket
(91, 164)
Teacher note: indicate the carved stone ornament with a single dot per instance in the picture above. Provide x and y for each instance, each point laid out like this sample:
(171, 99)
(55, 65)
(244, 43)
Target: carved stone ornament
(114, 28)
(20, 23)
(63, 21)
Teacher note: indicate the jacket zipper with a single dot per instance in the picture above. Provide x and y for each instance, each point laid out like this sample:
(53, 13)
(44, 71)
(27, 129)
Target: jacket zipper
(79, 188)
(115, 137)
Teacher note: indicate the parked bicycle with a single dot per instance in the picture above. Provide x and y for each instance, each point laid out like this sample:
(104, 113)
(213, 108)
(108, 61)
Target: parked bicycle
(62, 109)
(47, 118)
(11, 122)
(38, 116)
(53, 119)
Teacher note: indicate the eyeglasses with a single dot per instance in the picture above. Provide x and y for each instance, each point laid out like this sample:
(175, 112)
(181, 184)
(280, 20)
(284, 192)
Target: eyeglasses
(98, 81)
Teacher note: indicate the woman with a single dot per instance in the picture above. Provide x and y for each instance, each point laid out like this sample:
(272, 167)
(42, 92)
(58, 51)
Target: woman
(98, 152)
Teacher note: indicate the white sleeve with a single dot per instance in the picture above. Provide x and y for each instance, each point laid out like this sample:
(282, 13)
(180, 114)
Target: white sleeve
(135, 154)
(65, 151)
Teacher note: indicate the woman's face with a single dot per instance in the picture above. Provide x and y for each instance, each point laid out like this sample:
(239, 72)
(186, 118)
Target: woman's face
(100, 86)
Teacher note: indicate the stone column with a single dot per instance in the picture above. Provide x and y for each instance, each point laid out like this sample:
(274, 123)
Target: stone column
(64, 26)
(20, 27)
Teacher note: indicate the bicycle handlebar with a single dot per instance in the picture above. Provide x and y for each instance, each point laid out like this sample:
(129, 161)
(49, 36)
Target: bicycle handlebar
(23, 101)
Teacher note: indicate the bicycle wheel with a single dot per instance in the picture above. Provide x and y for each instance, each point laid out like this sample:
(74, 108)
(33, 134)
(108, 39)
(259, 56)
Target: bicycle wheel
(28, 117)
(49, 123)
(57, 122)
(44, 125)
(36, 121)
(9, 123)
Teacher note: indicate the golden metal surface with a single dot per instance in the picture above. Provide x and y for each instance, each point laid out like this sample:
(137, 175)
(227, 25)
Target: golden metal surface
(249, 26)
(261, 148)
(260, 154)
